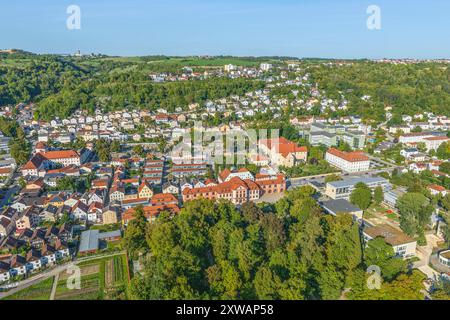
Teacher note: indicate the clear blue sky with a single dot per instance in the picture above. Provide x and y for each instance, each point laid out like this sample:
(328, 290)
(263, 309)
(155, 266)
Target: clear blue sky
(301, 28)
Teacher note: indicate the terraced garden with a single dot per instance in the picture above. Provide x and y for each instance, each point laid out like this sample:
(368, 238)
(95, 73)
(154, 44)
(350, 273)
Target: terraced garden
(98, 278)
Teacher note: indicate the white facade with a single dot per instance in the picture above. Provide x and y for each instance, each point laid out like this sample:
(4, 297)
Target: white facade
(347, 166)
(4, 277)
(244, 175)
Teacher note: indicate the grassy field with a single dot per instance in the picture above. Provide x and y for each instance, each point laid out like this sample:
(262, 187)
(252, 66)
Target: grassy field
(40, 291)
(185, 61)
(214, 62)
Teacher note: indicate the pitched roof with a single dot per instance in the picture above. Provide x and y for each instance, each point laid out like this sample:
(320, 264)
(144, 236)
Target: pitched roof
(391, 235)
(163, 198)
(6, 170)
(262, 180)
(436, 187)
(151, 211)
(61, 154)
(354, 156)
(143, 185)
(285, 147)
(437, 138)
(224, 188)
(35, 162)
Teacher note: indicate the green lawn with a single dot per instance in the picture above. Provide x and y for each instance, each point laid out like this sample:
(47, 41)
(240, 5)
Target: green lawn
(392, 216)
(90, 289)
(40, 291)
(184, 61)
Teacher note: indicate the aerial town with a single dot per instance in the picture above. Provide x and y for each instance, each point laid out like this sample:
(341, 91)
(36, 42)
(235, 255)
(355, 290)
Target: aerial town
(87, 177)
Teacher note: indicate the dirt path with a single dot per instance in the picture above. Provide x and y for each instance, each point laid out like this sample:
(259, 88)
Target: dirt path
(109, 273)
(55, 284)
(85, 271)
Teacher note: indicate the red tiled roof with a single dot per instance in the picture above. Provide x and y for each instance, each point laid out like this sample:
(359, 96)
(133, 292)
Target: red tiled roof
(269, 180)
(100, 183)
(5, 170)
(63, 154)
(210, 181)
(224, 174)
(437, 138)
(354, 156)
(284, 146)
(223, 188)
(95, 206)
(436, 187)
(68, 169)
(130, 180)
(35, 162)
(143, 185)
(163, 198)
(135, 200)
(151, 211)
(438, 173)
(40, 157)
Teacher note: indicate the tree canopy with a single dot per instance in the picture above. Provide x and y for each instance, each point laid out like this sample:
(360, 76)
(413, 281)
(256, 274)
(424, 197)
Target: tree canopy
(211, 250)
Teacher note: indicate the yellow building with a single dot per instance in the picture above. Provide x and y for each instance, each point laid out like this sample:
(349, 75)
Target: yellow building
(144, 191)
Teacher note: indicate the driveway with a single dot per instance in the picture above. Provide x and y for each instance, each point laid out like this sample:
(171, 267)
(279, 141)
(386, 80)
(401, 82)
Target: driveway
(424, 254)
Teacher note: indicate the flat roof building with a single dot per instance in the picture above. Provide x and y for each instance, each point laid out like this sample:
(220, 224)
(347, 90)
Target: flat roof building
(90, 240)
(342, 206)
(343, 189)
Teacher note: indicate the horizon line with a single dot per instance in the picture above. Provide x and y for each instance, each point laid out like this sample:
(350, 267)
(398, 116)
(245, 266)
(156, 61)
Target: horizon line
(217, 55)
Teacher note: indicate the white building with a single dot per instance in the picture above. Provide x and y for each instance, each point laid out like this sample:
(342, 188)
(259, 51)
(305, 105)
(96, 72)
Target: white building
(433, 143)
(266, 66)
(243, 174)
(344, 188)
(403, 245)
(348, 161)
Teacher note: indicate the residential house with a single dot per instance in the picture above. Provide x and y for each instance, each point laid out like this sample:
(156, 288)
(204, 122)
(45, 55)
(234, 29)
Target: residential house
(170, 187)
(403, 245)
(145, 191)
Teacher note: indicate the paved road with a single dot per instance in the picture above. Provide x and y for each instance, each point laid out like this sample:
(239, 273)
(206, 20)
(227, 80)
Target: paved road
(54, 286)
(36, 279)
(424, 254)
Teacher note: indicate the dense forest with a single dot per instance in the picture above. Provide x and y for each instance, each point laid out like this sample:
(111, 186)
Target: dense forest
(286, 251)
(20, 148)
(408, 89)
(61, 85)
